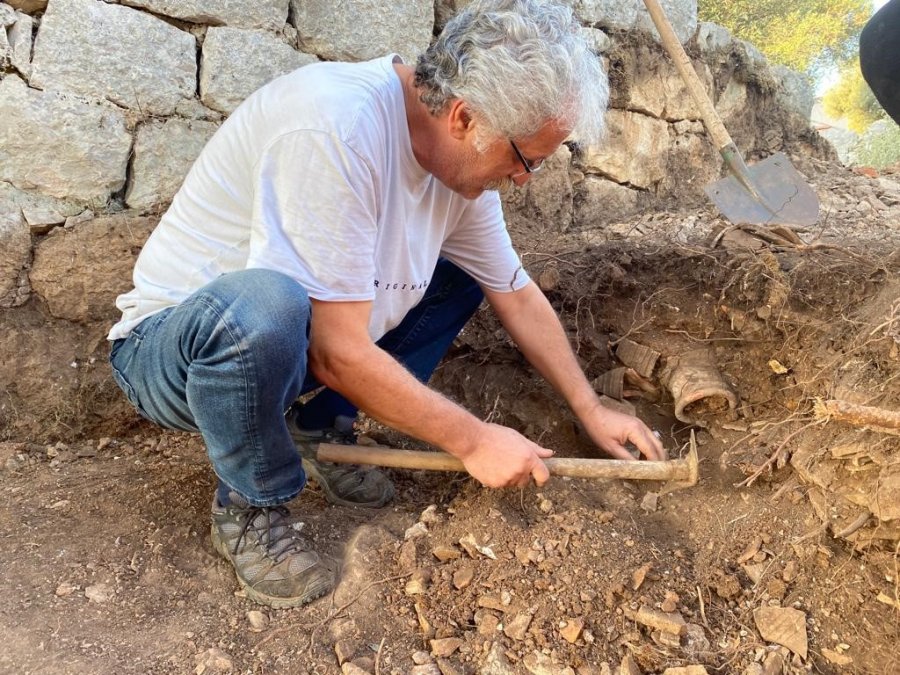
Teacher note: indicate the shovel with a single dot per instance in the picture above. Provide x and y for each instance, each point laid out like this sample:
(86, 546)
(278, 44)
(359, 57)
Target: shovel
(767, 193)
(678, 473)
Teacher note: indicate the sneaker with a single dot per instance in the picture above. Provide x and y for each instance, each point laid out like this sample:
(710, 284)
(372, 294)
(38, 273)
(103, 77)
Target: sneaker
(343, 484)
(274, 564)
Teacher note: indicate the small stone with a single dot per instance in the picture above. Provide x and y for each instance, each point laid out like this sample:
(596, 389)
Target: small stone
(447, 668)
(258, 621)
(784, 626)
(491, 602)
(664, 621)
(418, 583)
(549, 277)
(637, 578)
(572, 630)
(628, 666)
(445, 646)
(790, 571)
(65, 588)
(344, 650)
(523, 554)
(486, 621)
(445, 553)
(728, 587)
(518, 627)
(463, 577)
(421, 658)
(425, 669)
(407, 558)
(650, 502)
(213, 659)
(836, 658)
(99, 593)
(755, 571)
(686, 670)
(353, 669)
(430, 516)
(666, 639)
(545, 505)
(670, 603)
(416, 531)
(103, 443)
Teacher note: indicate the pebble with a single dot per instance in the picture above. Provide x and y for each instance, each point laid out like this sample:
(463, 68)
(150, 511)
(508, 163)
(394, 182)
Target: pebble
(637, 578)
(670, 604)
(430, 516)
(463, 577)
(572, 630)
(686, 670)
(65, 588)
(445, 646)
(421, 658)
(213, 660)
(99, 593)
(344, 650)
(670, 622)
(836, 658)
(407, 558)
(426, 669)
(353, 669)
(784, 626)
(650, 502)
(518, 627)
(418, 584)
(258, 620)
(416, 531)
(446, 553)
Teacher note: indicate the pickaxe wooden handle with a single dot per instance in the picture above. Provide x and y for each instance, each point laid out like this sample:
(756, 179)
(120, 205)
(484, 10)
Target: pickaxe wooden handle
(680, 473)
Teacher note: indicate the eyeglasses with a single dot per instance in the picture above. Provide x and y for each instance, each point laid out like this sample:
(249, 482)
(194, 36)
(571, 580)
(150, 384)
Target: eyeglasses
(530, 167)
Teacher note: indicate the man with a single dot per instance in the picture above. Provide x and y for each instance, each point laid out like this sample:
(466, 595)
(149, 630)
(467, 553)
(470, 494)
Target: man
(339, 230)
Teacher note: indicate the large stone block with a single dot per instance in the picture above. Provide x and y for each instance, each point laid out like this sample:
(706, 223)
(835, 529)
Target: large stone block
(711, 38)
(656, 88)
(358, 30)
(163, 154)
(600, 201)
(266, 14)
(633, 152)
(79, 272)
(61, 145)
(20, 40)
(237, 62)
(29, 6)
(631, 14)
(795, 93)
(15, 252)
(116, 53)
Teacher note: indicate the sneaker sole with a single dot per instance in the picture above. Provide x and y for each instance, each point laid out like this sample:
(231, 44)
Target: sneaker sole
(273, 601)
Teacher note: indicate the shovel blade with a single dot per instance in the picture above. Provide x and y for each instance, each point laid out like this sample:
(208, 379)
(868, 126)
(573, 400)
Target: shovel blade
(782, 197)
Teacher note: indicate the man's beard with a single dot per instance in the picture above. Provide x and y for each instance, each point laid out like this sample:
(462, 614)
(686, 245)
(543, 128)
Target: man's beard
(500, 185)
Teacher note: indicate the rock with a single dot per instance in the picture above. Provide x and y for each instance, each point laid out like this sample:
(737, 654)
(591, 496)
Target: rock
(518, 626)
(430, 515)
(116, 53)
(670, 622)
(686, 670)
(344, 650)
(426, 669)
(790, 571)
(213, 660)
(542, 664)
(463, 577)
(472, 547)
(19, 36)
(650, 502)
(80, 272)
(421, 658)
(496, 663)
(634, 151)
(163, 154)
(599, 200)
(712, 38)
(267, 14)
(258, 621)
(784, 626)
(445, 646)
(29, 6)
(628, 666)
(60, 145)
(41, 212)
(486, 621)
(836, 658)
(99, 593)
(795, 93)
(597, 39)
(236, 62)
(548, 280)
(15, 254)
(682, 14)
(670, 603)
(65, 589)
(408, 556)
(727, 586)
(416, 531)
(637, 578)
(445, 553)
(333, 31)
(755, 571)
(447, 668)
(418, 583)
(572, 630)
(353, 669)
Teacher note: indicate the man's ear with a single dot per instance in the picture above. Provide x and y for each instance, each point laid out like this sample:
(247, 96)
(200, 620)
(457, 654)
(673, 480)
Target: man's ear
(460, 122)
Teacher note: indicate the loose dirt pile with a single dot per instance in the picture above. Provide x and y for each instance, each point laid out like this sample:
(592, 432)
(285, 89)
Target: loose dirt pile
(784, 558)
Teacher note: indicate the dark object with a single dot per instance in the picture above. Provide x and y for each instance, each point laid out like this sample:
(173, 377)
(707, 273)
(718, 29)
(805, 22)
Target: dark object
(768, 193)
(879, 57)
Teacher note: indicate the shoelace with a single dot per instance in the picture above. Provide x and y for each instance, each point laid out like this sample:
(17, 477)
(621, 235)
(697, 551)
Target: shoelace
(290, 543)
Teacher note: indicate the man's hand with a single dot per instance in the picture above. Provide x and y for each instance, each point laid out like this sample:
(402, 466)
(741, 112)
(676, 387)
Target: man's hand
(503, 457)
(611, 430)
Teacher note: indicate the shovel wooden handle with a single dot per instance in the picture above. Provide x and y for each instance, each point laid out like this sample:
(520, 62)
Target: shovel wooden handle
(717, 131)
(682, 470)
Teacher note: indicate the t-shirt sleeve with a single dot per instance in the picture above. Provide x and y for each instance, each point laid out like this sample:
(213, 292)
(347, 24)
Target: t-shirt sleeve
(314, 216)
(480, 244)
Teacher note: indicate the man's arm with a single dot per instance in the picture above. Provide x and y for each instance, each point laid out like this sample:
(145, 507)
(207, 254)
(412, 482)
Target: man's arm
(344, 358)
(533, 325)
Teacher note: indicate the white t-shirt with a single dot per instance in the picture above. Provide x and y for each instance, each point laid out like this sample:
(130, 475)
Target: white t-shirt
(314, 176)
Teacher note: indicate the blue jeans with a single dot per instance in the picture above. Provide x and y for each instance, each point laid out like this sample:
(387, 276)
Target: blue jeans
(231, 359)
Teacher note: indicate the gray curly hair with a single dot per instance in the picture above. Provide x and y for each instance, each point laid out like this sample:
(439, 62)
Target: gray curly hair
(518, 64)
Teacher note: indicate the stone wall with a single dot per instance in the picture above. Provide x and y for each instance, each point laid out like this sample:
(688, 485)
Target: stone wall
(104, 105)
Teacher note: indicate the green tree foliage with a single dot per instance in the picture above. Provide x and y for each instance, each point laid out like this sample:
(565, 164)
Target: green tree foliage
(806, 35)
(852, 99)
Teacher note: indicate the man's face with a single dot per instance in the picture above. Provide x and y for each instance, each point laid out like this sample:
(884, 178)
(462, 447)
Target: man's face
(499, 166)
